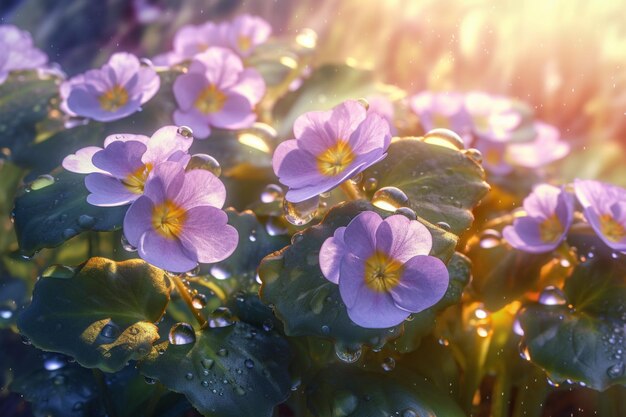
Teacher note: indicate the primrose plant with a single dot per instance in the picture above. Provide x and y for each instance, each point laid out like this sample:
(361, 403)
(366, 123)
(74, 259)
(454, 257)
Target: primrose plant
(203, 231)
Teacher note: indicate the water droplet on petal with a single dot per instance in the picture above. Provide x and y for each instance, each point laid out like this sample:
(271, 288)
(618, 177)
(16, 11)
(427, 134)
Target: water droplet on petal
(271, 193)
(185, 131)
(182, 334)
(300, 213)
(363, 102)
(205, 162)
(445, 138)
(390, 199)
(552, 296)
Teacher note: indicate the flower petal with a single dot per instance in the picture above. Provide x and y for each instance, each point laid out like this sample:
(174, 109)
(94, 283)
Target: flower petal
(423, 283)
(80, 162)
(360, 234)
(107, 191)
(164, 143)
(138, 220)
(402, 238)
(195, 120)
(331, 254)
(207, 234)
(187, 87)
(168, 254)
(120, 159)
(200, 188)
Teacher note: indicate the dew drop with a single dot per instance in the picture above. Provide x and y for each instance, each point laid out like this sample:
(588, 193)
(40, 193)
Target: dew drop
(274, 227)
(363, 102)
(268, 325)
(271, 193)
(297, 237)
(517, 327)
(443, 342)
(127, 246)
(409, 412)
(7, 309)
(300, 213)
(185, 131)
(182, 334)
(110, 330)
(552, 383)
(370, 184)
(347, 354)
(220, 272)
(69, 233)
(325, 329)
(221, 317)
(490, 238)
(204, 383)
(406, 212)
(85, 221)
(53, 363)
(445, 226)
(205, 162)
(149, 381)
(552, 296)
(207, 363)
(222, 352)
(357, 178)
(344, 404)
(42, 181)
(616, 370)
(445, 138)
(524, 353)
(249, 363)
(188, 376)
(198, 301)
(388, 364)
(474, 154)
(390, 199)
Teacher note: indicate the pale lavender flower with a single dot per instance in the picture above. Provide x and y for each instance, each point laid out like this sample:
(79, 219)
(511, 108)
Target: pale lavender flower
(17, 51)
(217, 91)
(178, 220)
(383, 107)
(493, 118)
(383, 269)
(246, 32)
(191, 40)
(441, 110)
(112, 92)
(543, 150)
(493, 155)
(605, 209)
(118, 172)
(549, 214)
(330, 147)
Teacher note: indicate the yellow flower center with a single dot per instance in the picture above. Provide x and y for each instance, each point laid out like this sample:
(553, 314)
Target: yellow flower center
(244, 42)
(550, 229)
(137, 179)
(610, 227)
(113, 98)
(168, 219)
(382, 273)
(335, 159)
(210, 100)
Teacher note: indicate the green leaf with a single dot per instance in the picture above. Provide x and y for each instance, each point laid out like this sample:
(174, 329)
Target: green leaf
(24, 99)
(14, 293)
(342, 392)
(233, 371)
(443, 185)
(102, 312)
(502, 274)
(328, 86)
(310, 305)
(54, 209)
(585, 341)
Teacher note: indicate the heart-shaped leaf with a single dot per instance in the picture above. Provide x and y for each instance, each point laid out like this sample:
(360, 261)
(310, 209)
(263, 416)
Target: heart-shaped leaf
(310, 305)
(233, 371)
(582, 337)
(102, 312)
(54, 209)
(443, 185)
(342, 392)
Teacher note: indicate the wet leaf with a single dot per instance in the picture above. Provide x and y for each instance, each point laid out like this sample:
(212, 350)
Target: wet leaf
(102, 312)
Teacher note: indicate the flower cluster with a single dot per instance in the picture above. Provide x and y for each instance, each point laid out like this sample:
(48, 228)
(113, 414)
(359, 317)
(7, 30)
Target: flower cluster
(330, 147)
(112, 92)
(175, 219)
(550, 212)
(383, 269)
(495, 125)
(242, 35)
(17, 51)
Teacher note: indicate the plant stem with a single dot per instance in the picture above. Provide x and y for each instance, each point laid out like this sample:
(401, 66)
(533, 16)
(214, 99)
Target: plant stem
(184, 294)
(350, 190)
(501, 395)
(474, 373)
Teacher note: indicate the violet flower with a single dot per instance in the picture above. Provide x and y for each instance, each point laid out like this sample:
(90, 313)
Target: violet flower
(112, 92)
(492, 118)
(605, 209)
(543, 150)
(246, 32)
(191, 40)
(441, 110)
(383, 269)
(217, 91)
(17, 51)
(178, 221)
(549, 214)
(117, 172)
(330, 147)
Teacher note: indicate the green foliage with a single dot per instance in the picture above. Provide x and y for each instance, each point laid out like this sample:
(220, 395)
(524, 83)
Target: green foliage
(309, 304)
(443, 185)
(54, 209)
(101, 312)
(233, 371)
(582, 338)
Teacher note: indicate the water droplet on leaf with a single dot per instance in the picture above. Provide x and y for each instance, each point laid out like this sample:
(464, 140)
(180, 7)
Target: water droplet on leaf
(445, 138)
(182, 334)
(300, 213)
(552, 296)
(390, 199)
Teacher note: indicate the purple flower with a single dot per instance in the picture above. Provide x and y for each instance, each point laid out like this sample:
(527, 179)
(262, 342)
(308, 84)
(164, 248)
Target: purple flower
(549, 214)
(383, 269)
(118, 172)
(605, 209)
(493, 118)
(17, 51)
(246, 32)
(383, 107)
(191, 40)
(493, 155)
(217, 91)
(330, 147)
(441, 110)
(178, 221)
(543, 150)
(112, 92)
